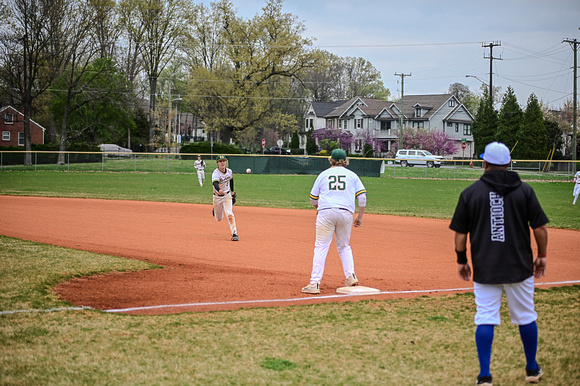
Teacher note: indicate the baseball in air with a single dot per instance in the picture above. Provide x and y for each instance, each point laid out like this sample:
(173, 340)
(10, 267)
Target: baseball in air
(248, 170)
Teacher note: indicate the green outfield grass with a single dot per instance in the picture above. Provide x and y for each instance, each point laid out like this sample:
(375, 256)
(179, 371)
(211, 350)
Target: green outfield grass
(423, 341)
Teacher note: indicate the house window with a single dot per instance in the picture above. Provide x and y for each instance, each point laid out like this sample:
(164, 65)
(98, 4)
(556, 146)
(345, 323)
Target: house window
(9, 118)
(466, 129)
(6, 136)
(359, 123)
(20, 138)
(457, 127)
(452, 103)
(385, 125)
(419, 124)
(309, 123)
(418, 112)
(449, 124)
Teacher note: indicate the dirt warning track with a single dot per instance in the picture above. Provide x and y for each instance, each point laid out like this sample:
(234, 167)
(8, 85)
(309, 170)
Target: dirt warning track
(204, 270)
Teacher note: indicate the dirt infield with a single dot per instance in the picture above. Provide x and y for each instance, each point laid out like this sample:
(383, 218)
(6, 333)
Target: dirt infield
(204, 270)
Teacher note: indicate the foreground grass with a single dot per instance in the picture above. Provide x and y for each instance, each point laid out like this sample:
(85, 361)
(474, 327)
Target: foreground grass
(419, 341)
(404, 197)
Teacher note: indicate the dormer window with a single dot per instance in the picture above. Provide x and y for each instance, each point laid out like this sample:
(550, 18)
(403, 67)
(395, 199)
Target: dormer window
(418, 112)
(9, 118)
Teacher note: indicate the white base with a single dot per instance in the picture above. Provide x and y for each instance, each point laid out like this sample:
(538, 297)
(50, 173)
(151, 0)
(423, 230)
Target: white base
(357, 290)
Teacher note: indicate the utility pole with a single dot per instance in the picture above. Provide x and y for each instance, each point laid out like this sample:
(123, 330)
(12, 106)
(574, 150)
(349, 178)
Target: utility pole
(402, 105)
(574, 45)
(491, 58)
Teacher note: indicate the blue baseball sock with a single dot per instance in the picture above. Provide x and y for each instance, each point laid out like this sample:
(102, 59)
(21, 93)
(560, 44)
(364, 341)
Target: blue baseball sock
(484, 341)
(529, 335)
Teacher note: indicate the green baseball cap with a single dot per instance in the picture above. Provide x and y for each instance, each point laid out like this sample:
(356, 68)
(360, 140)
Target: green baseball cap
(338, 154)
(221, 157)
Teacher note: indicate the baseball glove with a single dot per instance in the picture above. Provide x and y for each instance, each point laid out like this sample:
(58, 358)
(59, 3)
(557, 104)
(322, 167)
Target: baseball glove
(234, 194)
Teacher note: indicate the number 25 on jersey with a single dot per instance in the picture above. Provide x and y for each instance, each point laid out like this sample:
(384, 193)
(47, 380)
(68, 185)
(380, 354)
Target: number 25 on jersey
(336, 182)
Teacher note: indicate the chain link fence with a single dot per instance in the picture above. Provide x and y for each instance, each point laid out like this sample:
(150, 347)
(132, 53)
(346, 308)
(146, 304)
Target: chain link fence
(183, 163)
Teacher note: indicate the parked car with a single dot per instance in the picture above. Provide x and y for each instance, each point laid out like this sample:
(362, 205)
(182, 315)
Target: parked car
(277, 150)
(411, 158)
(112, 150)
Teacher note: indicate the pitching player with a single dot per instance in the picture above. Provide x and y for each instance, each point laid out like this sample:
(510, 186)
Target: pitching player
(333, 194)
(224, 195)
(497, 212)
(576, 191)
(199, 165)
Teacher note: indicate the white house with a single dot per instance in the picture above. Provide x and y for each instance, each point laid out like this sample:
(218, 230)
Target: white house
(440, 112)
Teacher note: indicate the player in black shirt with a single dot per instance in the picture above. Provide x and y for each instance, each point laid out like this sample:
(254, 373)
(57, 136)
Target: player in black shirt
(497, 212)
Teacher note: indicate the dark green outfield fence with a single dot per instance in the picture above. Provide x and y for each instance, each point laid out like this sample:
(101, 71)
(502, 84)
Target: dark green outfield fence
(299, 165)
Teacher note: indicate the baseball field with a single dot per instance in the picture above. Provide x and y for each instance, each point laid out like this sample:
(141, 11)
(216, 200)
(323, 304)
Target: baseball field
(125, 278)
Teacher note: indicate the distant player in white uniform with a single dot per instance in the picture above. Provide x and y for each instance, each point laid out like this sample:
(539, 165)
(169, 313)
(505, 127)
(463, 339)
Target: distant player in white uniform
(333, 194)
(576, 191)
(223, 195)
(199, 165)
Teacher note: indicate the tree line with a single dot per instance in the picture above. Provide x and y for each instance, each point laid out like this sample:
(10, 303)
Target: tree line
(533, 132)
(84, 68)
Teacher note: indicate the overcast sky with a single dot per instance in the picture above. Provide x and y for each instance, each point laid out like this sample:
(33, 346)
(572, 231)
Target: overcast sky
(439, 42)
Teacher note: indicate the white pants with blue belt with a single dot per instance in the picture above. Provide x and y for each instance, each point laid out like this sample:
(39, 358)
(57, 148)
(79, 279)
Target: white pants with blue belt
(331, 222)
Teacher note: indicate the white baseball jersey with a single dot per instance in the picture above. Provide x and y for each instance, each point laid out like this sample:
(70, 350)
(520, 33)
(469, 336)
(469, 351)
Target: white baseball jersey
(222, 178)
(337, 187)
(577, 177)
(199, 164)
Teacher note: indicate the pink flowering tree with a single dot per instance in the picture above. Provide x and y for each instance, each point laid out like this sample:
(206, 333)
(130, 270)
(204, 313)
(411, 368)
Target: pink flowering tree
(370, 143)
(442, 144)
(334, 138)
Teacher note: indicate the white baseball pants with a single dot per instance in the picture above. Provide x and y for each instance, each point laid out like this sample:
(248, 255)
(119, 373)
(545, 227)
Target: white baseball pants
(222, 207)
(331, 222)
(201, 177)
(520, 298)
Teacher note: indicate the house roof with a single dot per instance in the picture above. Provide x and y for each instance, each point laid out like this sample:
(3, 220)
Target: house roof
(322, 109)
(371, 107)
(432, 103)
(368, 106)
(22, 115)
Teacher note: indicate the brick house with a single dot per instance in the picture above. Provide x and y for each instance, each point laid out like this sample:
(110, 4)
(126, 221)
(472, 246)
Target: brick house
(12, 128)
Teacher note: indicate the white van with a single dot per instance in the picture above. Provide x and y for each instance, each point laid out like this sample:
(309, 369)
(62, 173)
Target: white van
(112, 150)
(418, 157)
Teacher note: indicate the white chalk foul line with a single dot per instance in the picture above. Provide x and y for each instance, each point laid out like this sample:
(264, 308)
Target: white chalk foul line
(8, 312)
(238, 302)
